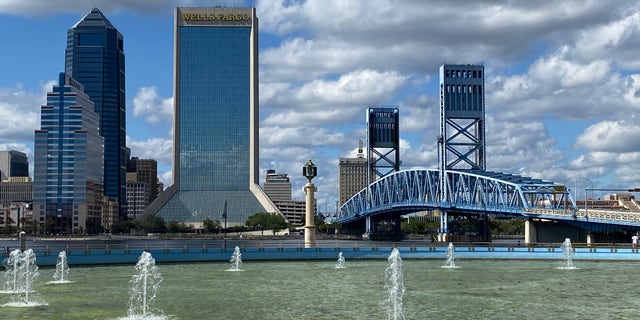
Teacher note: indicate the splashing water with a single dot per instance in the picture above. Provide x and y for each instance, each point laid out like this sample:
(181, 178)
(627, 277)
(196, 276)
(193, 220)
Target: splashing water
(236, 260)
(450, 263)
(567, 252)
(21, 273)
(144, 287)
(394, 283)
(62, 269)
(340, 263)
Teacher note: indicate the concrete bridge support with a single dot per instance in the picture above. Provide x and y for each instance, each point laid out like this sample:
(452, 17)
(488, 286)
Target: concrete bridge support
(444, 228)
(537, 230)
(530, 235)
(590, 238)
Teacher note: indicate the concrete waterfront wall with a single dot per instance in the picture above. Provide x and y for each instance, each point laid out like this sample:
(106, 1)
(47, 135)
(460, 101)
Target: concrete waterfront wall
(48, 257)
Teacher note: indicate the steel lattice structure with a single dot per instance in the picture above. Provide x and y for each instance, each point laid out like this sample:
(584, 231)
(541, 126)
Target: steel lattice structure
(465, 191)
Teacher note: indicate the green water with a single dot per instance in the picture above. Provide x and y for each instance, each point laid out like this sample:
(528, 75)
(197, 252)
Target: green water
(477, 289)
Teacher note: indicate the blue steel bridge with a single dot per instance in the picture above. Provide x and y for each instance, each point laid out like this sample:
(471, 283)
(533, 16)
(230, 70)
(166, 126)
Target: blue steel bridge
(476, 193)
(461, 190)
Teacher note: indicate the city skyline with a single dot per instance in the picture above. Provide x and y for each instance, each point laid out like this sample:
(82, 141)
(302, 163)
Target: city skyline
(561, 81)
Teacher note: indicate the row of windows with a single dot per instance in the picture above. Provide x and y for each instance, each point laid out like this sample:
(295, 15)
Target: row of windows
(462, 89)
(463, 73)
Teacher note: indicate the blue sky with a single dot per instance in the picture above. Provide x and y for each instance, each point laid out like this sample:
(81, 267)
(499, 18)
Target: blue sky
(562, 80)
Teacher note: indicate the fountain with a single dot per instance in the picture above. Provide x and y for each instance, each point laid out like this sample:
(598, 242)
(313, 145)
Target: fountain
(236, 260)
(21, 272)
(144, 286)
(62, 269)
(567, 252)
(340, 263)
(450, 263)
(394, 284)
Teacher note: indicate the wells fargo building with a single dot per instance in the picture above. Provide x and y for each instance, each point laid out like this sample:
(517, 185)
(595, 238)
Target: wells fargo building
(215, 140)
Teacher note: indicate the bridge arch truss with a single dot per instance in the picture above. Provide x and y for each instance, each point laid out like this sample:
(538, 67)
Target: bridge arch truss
(465, 191)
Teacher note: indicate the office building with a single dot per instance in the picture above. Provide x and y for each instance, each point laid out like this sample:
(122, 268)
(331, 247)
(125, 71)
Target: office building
(277, 186)
(67, 191)
(95, 58)
(16, 189)
(215, 140)
(353, 175)
(138, 194)
(145, 170)
(13, 164)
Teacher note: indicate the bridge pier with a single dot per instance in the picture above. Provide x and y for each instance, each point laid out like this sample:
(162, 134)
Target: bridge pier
(530, 232)
(590, 237)
(444, 228)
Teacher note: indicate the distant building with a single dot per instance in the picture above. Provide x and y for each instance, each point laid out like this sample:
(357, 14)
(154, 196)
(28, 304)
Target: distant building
(277, 186)
(352, 175)
(294, 211)
(138, 194)
(13, 164)
(160, 187)
(16, 189)
(95, 58)
(145, 170)
(67, 191)
(216, 136)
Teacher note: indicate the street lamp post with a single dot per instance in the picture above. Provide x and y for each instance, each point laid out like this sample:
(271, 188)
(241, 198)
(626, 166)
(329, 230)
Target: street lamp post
(309, 171)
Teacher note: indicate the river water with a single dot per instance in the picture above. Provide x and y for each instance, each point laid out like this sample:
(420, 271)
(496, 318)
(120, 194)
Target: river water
(476, 289)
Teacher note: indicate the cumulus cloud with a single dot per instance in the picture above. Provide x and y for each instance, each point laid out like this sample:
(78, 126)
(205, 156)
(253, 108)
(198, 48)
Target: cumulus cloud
(20, 111)
(44, 7)
(153, 108)
(611, 136)
(154, 148)
(300, 136)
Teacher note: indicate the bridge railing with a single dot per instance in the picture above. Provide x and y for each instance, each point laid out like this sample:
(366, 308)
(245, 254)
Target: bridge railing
(627, 216)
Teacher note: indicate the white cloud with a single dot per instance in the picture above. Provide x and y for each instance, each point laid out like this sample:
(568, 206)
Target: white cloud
(611, 136)
(153, 148)
(300, 136)
(20, 113)
(45, 7)
(153, 108)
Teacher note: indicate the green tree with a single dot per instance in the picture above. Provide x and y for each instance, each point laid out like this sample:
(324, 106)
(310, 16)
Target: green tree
(125, 226)
(151, 223)
(177, 227)
(266, 220)
(211, 226)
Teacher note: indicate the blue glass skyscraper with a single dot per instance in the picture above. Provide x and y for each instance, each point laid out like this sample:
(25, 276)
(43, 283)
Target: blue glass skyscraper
(67, 187)
(95, 58)
(215, 146)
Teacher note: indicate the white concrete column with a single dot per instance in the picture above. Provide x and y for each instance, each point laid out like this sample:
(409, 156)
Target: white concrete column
(589, 239)
(530, 235)
(310, 226)
(444, 227)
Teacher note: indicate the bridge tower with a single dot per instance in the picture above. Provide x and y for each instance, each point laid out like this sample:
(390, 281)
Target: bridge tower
(461, 143)
(383, 143)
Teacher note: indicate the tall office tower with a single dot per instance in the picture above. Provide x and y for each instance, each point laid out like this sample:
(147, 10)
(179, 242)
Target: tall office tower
(215, 139)
(145, 170)
(462, 141)
(13, 164)
(67, 192)
(277, 186)
(95, 58)
(353, 175)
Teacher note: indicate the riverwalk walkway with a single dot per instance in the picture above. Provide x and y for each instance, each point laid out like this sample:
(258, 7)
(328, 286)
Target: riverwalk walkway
(97, 252)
